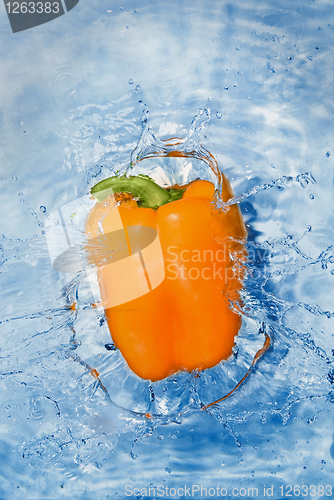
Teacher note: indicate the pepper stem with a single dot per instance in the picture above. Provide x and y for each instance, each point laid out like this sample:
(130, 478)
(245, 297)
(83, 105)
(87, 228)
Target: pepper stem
(141, 186)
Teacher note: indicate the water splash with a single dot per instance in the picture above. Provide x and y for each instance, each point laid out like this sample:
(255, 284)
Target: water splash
(86, 385)
(281, 183)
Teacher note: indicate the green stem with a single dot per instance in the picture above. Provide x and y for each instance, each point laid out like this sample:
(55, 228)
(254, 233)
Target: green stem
(141, 186)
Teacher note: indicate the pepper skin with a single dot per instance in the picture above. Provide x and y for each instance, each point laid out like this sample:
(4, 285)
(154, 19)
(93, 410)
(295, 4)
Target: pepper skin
(185, 323)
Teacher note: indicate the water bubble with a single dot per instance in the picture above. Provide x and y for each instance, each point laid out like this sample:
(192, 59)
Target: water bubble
(14, 178)
(218, 115)
(42, 209)
(312, 196)
(225, 88)
(127, 27)
(137, 89)
(328, 154)
(130, 81)
(168, 470)
(309, 58)
(102, 20)
(110, 347)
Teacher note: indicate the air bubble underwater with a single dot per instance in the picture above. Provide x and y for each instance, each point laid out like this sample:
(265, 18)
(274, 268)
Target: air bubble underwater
(82, 347)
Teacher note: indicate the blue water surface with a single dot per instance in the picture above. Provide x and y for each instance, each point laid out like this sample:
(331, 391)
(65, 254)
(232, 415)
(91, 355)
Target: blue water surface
(77, 94)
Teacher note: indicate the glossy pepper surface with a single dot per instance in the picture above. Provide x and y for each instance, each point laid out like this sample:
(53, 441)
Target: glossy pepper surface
(185, 323)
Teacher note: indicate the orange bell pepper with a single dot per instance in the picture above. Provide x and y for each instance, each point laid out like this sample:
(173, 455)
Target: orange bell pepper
(185, 322)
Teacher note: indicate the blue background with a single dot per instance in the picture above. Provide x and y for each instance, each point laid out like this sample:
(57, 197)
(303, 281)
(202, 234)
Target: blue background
(73, 92)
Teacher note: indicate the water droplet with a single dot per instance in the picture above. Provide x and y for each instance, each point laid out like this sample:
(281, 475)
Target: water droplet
(309, 58)
(328, 154)
(218, 115)
(110, 347)
(311, 196)
(135, 11)
(14, 178)
(160, 437)
(137, 89)
(121, 8)
(42, 209)
(168, 470)
(102, 20)
(127, 27)
(225, 88)
(309, 228)
(130, 81)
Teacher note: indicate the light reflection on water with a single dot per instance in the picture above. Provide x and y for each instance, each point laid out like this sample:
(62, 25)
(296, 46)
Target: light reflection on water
(259, 67)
